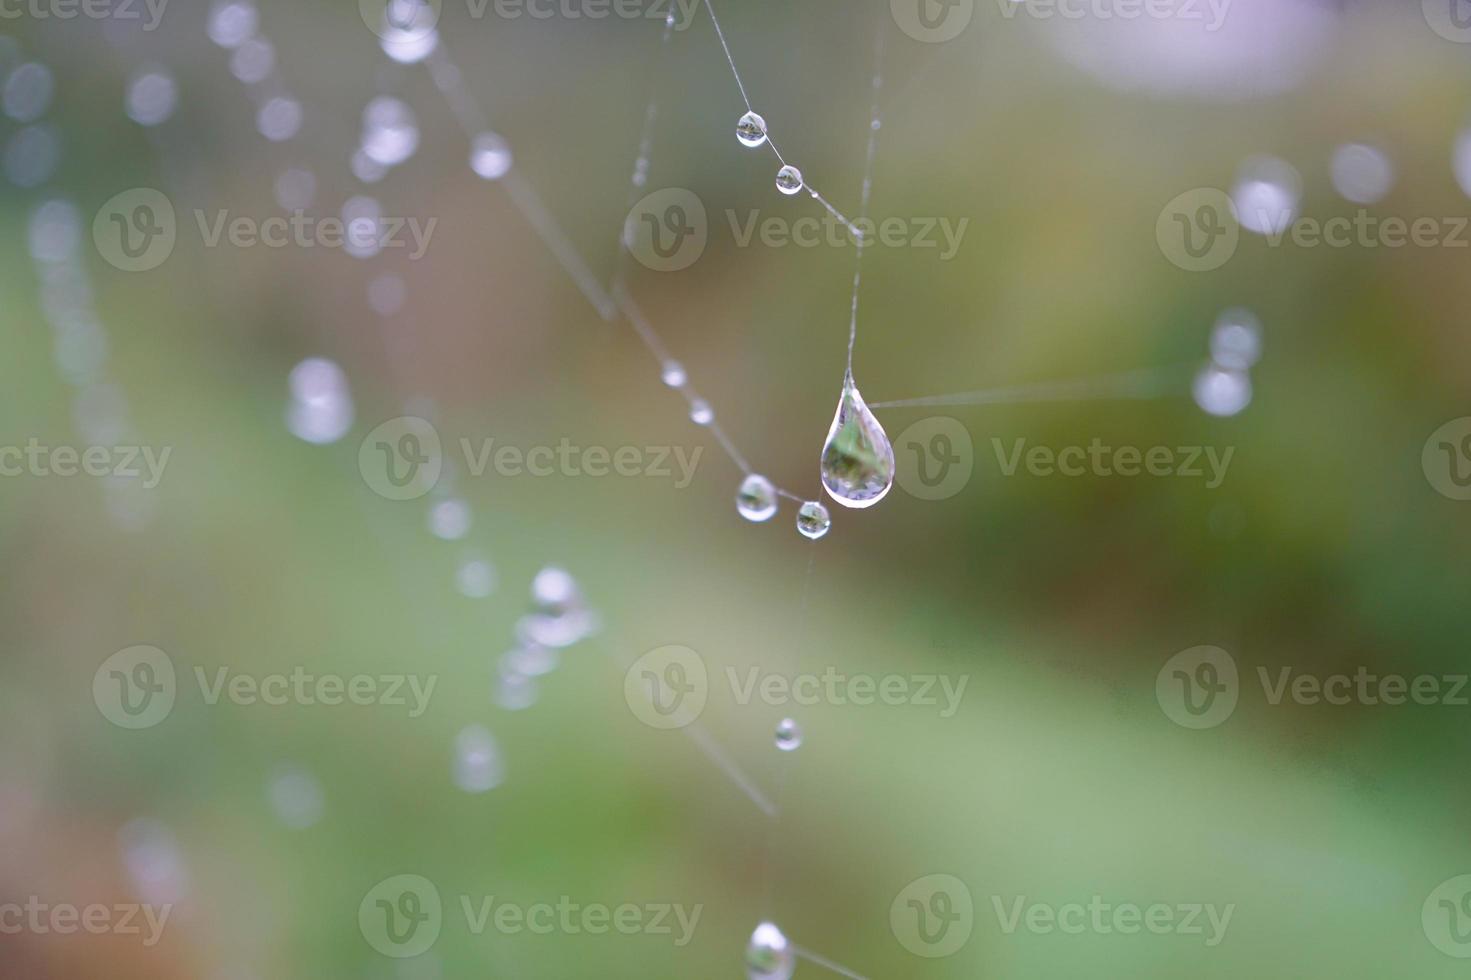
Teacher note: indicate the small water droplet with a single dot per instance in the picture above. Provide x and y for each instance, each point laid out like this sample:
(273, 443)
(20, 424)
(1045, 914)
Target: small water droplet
(1222, 392)
(478, 764)
(857, 459)
(789, 180)
(1236, 340)
(449, 519)
(296, 797)
(768, 955)
(490, 156)
(788, 735)
(701, 413)
(530, 660)
(673, 374)
(475, 578)
(756, 499)
(751, 130)
(813, 520)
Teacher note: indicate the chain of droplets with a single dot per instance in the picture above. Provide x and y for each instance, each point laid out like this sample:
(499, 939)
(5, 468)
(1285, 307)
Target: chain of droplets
(56, 231)
(321, 409)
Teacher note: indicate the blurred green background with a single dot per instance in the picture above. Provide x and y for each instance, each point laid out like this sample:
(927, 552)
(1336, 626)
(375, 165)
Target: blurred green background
(1059, 778)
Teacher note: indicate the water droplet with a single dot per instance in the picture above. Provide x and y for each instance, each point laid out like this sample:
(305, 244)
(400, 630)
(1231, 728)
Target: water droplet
(673, 374)
(253, 60)
(768, 955)
(296, 797)
(1361, 173)
(751, 130)
(449, 519)
(1266, 195)
(152, 97)
(1236, 340)
(28, 92)
(31, 156)
(154, 861)
(279, 119)
(555, 591)
(386, 294)
(813, 520)
(756, 499)
(857, 459)
(490, 156)
(530, 660)
(478, 764)
(789, 180)
(701, 413)
(1222, 392)
(475, 578)
(390, 131)
(231, 23)
(788, 735)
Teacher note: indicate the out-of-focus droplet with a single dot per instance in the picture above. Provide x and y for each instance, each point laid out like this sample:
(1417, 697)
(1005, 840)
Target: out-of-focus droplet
(152, 97)
(1361, 173)
(386, 294)
(788, 735)
(756, 499)
(701, 413)
(554, 590)
(789, 180)
(362, 219)
(475, 578)
(672, 374)
(768, 954)
(279, 119)
(295, 189)
(31, 156)
(296, 797)
(857, 461)
(55, 231)
(27, 92)
(1266, 195)
(515, 691)
(1222, 392)
(321, 409)
(253, 60)
(366, 169)
(154, 862)
(478, 764)
(490, 156)
(449, 518)
(1461, 161)
(232, 22)
(407, 33)
(531, 660)
(813, 520)
(390, 131)
(751, 129)
(1236, 340)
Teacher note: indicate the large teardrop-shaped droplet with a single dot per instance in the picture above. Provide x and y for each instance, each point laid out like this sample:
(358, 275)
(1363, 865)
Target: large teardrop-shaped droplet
(857, 459)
